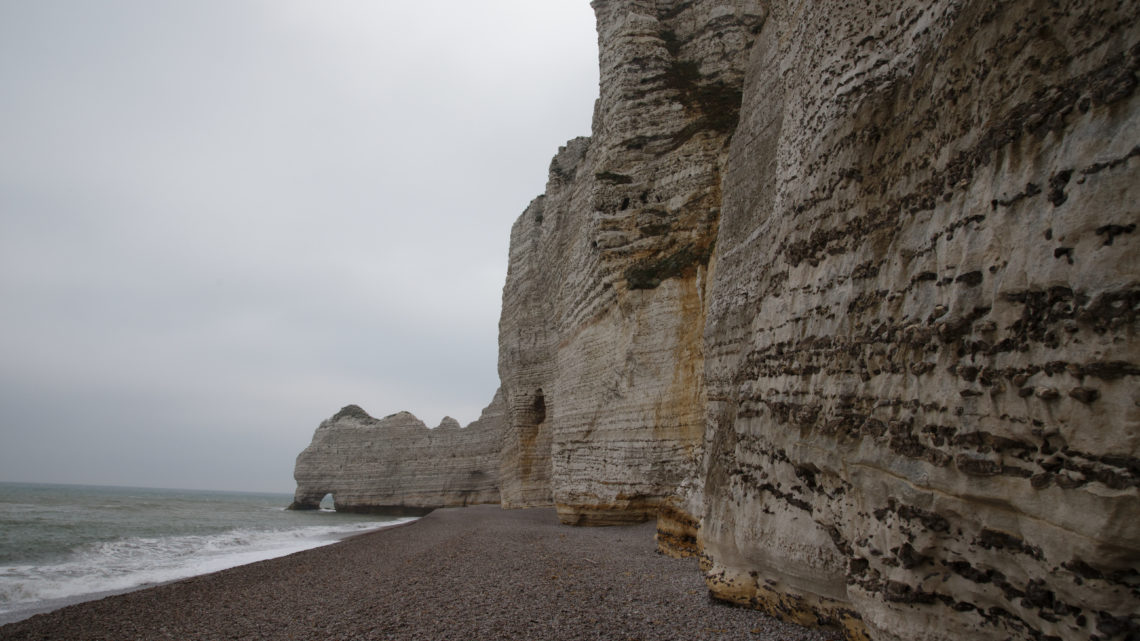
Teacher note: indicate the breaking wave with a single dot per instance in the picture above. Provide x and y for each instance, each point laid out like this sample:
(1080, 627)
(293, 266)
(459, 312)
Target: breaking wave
(124, 564)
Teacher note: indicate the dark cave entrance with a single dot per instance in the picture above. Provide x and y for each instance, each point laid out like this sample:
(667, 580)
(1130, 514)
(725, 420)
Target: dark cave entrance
(538, 408)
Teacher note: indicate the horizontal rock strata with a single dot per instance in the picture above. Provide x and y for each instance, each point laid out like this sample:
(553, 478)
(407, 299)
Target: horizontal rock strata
(601, 334)
(846, 296)
(396, 465)
(921, 354)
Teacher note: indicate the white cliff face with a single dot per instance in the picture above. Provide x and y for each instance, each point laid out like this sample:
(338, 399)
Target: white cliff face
(397, 465)
(602, 310)
(845, 295)
(921, 346)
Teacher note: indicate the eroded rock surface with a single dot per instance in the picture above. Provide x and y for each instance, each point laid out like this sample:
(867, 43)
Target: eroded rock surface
(601, 353)
(921, 351)
(397, 465)
(845, 295)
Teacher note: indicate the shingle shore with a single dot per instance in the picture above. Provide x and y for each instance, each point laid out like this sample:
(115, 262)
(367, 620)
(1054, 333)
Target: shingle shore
(469, 573)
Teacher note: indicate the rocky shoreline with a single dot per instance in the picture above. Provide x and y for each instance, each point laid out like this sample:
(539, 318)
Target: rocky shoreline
(471, 573)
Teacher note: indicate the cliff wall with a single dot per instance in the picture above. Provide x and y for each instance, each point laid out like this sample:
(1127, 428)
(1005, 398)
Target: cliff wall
(601, 354)
(883, 258)
(846, 296)
(921, 336)
(397, 465)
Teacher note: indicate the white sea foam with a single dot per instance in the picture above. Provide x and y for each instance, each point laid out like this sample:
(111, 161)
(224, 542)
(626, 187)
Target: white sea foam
(125, 564)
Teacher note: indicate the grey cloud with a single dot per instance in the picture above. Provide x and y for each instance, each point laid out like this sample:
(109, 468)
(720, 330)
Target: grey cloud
(221, 221)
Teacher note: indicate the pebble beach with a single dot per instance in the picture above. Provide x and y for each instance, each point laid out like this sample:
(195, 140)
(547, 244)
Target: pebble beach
(467, 573)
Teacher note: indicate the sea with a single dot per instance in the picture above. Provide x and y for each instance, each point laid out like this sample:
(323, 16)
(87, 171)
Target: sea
(62, 544)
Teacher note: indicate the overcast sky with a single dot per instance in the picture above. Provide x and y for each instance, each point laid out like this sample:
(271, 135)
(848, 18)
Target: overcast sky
(222, 220)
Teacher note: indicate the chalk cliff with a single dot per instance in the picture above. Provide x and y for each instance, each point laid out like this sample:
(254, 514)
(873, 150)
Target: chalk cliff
(921, 338)
(846, 296)
(600, 344)
(854, 290)
(397, 465)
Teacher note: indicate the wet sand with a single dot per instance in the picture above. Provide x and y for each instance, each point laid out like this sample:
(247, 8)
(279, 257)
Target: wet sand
(470, 573)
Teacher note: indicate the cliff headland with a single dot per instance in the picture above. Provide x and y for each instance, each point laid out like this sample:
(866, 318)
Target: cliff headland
(845, 296)
(397, 466)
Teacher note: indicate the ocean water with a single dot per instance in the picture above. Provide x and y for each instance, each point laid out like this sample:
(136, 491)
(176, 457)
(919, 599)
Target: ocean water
(60, 544)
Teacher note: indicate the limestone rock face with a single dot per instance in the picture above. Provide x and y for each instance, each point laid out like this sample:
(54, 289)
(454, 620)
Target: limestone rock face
(846, 295)
(397, 465)
(921, 351)
(601, 352)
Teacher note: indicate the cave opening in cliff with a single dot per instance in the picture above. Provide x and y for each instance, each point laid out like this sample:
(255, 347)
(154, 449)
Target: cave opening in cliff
(539, 407)
(327, 502)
